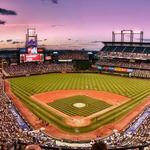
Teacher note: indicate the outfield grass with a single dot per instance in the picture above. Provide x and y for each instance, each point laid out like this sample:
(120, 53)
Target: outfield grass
(66, 106)
(136, 89)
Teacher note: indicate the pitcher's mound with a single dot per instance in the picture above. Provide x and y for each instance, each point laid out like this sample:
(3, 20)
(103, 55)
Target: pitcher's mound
(79, 105)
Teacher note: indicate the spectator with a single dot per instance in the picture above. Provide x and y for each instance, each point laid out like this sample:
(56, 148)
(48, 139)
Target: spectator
(99, 146)
(33, 147)
(34, 68)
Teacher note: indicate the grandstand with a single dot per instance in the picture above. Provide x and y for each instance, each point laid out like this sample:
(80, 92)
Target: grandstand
(128, 58)
(126, 50)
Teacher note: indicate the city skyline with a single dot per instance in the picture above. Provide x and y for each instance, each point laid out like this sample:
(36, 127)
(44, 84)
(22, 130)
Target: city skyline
(72, 24)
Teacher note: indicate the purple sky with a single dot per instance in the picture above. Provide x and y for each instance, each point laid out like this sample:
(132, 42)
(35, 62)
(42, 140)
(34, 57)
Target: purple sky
(73, 23)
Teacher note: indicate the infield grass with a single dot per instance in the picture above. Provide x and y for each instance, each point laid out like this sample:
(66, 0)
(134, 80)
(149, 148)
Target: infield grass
(136, 89)
(66, 105)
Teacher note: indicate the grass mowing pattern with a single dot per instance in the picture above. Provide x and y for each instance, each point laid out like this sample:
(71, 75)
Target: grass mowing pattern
(66, 105)
(136, 89)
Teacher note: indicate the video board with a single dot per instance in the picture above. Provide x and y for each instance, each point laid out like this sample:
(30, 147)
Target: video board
(31, 58)
(32, 50)
(31, 54)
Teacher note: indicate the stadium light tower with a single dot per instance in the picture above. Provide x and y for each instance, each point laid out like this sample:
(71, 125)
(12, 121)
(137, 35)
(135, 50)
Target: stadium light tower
(131, 34)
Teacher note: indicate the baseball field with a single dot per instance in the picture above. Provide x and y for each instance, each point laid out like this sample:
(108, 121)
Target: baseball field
(80, 103)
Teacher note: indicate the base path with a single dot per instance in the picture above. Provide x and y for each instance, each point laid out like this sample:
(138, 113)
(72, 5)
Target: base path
(53, 131)
(107, 97)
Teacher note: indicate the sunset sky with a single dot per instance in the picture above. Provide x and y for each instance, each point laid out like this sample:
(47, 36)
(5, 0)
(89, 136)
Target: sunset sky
(72, 24)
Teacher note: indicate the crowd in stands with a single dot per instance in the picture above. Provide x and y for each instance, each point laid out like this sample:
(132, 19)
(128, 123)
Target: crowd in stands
(135, 134)
(140, 68)
(128, 55)
(126, 64)
(9, 129)
(140, 73)
(74, 56)
(34, 68)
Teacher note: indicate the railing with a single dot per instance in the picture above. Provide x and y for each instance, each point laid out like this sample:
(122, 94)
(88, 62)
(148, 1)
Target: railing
(21, 146)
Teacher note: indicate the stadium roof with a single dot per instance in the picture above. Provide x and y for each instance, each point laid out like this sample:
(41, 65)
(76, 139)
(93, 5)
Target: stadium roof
(127, 43)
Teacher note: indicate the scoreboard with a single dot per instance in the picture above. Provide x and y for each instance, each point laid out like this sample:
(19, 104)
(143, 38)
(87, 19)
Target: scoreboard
(31, 54)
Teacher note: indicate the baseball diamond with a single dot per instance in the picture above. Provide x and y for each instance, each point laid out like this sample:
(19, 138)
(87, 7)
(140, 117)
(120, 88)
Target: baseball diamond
(48, 96)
